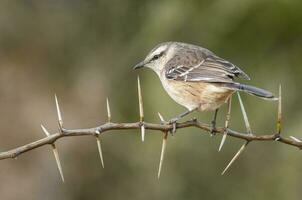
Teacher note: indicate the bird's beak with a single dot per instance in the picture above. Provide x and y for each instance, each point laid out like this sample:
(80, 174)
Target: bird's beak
(139, 65)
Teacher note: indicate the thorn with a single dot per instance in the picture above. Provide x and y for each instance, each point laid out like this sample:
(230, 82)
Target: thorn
(163, 149)
(235, 157)
(98, 141)
(162, 120)
(279, 126)
(226, 125)
(60, 120)
(140, 100)
(295, 139)
(222, 140)
(56, 153)
(108, 110)
(246, 120)
(143, 132)
(45, 130)
(141, 109)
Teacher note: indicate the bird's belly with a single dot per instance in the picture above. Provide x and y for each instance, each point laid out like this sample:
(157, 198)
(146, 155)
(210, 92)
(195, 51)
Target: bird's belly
(213, 96)
(192, 95)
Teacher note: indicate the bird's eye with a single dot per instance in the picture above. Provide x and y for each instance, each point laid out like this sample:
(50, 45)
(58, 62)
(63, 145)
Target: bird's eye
(157, 56)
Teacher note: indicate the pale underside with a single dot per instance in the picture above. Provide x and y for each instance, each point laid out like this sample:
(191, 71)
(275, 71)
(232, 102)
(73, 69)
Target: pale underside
(197, 95)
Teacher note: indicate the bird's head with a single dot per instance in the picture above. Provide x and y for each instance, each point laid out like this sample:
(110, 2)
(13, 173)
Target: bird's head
(158, 57)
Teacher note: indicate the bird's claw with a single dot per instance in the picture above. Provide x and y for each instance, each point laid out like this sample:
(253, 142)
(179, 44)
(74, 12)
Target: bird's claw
(173, 122)
(194, 119)
(213, 128)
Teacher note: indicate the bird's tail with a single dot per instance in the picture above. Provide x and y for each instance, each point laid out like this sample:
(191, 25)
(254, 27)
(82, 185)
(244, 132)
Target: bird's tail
(252, 90)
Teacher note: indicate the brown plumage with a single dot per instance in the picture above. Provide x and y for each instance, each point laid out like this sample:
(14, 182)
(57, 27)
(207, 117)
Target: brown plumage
(195, 77)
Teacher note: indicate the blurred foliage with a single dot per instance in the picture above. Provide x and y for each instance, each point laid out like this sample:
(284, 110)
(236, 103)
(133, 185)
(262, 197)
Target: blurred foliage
(84, 51)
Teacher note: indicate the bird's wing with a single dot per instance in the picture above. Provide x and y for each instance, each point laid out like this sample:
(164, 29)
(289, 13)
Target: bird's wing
(198, 66)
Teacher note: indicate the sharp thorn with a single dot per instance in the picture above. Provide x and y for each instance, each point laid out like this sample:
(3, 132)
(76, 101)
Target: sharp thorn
(162, 154)
(235, 157)
(295, 139)
(108, 110)
(222, 141)
(140, 100)
(279, 122)
(98, 141)
(226, 126)
(56, 154)
(246, 120)
(60, 120)
(162, 120)
(143, 132)
(141, 109)
(45, 131)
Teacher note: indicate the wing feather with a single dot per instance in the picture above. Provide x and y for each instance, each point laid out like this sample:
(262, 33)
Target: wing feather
(198, 66)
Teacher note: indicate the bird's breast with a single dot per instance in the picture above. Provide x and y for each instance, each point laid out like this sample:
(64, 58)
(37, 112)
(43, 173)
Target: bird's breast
(201, 95)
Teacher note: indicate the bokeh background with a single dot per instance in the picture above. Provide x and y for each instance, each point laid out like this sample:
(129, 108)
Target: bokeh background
(84, 52)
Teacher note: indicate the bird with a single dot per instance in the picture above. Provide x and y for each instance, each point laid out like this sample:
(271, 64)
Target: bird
(196, 78)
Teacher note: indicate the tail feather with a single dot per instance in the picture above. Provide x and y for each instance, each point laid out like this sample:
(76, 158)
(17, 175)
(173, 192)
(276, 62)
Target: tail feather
(252, 90)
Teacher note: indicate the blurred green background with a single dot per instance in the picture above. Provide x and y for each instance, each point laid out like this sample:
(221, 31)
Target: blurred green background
(84, 51)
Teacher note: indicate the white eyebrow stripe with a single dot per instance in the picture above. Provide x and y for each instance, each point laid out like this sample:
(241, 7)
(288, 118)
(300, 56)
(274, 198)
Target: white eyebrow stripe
(159, 50)
(192, 68)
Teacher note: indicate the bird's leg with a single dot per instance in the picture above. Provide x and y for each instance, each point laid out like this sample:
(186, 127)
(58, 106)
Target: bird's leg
(174, 120)
(213, 127)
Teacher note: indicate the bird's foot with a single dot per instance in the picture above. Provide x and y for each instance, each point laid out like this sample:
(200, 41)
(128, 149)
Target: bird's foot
(213, 128)
(173, 122)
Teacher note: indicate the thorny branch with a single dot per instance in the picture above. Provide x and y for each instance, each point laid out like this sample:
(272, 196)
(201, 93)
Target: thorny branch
(162, 127)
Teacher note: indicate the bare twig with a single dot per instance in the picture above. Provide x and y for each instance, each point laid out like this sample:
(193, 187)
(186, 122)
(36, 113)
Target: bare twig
(137, 125)
(162, 127)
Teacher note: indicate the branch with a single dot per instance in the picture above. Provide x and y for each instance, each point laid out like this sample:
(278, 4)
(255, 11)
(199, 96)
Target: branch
(149, 126)
(162, 127)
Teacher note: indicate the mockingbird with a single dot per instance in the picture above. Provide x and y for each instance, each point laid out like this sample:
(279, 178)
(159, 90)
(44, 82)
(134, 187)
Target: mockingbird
(196, 78)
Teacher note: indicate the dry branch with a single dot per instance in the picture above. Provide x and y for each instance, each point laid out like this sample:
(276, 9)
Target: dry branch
(150, 126)
(162, 127)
